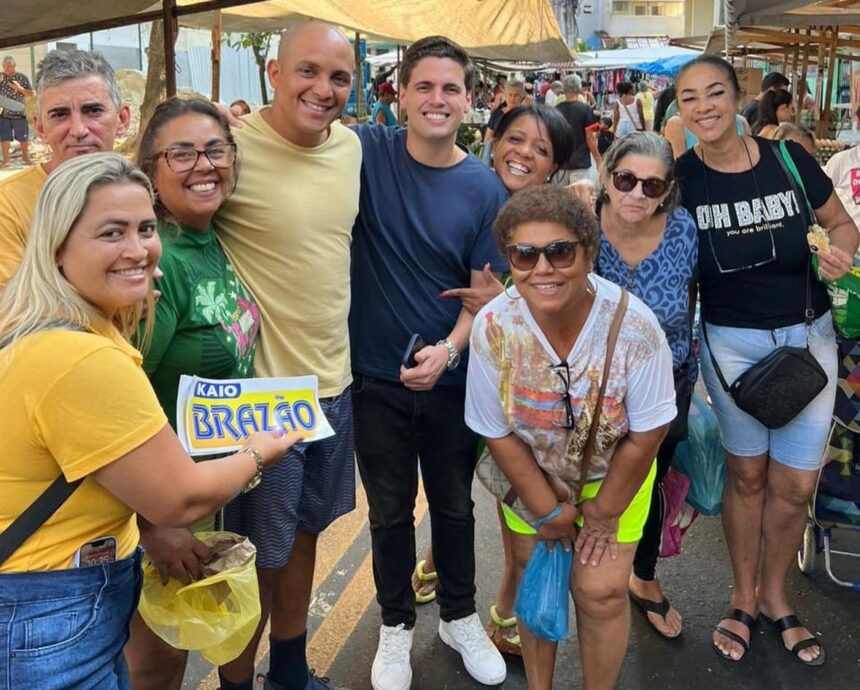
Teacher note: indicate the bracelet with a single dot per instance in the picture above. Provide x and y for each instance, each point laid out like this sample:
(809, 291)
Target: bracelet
(551, 515)
(258, 475)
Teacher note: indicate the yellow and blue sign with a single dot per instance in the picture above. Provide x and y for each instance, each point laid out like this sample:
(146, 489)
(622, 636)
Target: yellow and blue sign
(217, 416)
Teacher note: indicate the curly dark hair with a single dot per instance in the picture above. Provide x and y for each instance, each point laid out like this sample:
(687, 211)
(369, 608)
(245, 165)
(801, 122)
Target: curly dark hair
(548, 204)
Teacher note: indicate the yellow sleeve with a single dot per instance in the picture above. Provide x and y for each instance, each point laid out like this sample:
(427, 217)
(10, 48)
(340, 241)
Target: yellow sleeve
(100, 409)
(11, 242)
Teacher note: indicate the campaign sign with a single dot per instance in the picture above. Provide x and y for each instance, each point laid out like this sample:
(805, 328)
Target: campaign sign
(217, 416)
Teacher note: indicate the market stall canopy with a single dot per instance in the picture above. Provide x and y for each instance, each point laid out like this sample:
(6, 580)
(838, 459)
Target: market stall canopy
(522, 30)
(631, 57)
(664, 68)
(785, 13)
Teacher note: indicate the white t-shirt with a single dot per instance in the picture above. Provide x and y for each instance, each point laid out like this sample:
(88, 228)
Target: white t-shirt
(551, 97)
(844, 170)
(512, 386)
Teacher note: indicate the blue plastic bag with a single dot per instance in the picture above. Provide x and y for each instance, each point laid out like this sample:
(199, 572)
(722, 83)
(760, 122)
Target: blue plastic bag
(702, 459)
(542, 602)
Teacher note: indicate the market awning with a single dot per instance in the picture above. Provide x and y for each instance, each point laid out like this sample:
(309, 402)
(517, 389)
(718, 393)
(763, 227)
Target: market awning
(792, 13)
(517, 30)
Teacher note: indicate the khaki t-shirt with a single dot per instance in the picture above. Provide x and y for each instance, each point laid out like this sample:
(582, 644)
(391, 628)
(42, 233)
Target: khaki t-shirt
(18, 194)
(287, 229)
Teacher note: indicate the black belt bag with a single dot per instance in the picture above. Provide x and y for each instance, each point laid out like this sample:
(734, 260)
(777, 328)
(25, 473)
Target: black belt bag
(777, 388)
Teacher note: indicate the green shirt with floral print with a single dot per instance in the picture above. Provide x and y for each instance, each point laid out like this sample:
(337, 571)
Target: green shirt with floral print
(206, 321)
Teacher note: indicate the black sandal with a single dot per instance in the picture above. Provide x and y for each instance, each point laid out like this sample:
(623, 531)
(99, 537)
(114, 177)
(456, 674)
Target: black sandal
(790, 622)
(741, 617)
(660, 608)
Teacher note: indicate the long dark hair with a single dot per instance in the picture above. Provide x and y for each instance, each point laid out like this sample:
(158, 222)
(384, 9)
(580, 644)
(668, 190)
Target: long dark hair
(664, 100)
(770, 103)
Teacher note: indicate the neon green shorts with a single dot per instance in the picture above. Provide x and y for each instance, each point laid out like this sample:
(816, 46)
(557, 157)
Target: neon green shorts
(629, 526)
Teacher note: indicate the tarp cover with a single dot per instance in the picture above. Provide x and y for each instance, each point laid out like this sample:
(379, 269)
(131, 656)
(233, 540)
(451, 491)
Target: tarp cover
(494, 29)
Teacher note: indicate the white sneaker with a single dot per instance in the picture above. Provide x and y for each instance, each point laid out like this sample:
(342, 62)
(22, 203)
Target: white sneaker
(391, 668)
(481, 658)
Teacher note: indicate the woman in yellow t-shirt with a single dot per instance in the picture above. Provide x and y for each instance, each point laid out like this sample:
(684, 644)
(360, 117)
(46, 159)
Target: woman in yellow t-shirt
(76, 403)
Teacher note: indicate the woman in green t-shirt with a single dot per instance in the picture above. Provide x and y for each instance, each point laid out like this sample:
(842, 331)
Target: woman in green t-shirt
(206, 321)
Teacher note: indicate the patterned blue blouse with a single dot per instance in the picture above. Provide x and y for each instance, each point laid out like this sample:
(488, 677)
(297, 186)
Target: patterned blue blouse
(662, 280)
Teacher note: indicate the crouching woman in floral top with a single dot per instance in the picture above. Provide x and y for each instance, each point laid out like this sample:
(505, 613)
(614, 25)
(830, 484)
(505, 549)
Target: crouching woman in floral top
(538, 355)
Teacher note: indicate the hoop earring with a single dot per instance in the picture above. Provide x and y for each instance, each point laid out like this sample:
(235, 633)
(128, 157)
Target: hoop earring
(510, 283)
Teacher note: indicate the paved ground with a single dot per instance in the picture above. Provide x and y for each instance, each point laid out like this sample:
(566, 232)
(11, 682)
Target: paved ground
(344, 620)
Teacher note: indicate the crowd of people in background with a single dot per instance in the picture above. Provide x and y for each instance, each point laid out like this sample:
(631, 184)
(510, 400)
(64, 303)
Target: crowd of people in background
(555, 291)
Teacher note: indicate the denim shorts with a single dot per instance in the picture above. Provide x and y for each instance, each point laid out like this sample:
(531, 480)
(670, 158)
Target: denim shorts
(800, 443)
(66, 629)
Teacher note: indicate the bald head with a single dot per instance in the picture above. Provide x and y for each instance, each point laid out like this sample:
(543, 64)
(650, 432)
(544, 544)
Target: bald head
(313, 30)
(312, 78)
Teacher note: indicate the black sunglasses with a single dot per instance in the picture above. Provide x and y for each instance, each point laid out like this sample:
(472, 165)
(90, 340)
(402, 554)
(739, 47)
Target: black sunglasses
(559, 254)
(567, 421)
(652, 187)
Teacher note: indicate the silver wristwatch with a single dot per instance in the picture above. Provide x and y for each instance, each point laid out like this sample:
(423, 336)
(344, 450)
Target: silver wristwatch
(453, 354)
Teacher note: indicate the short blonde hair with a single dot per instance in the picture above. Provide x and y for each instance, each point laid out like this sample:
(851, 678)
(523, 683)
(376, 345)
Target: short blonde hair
(38, 297)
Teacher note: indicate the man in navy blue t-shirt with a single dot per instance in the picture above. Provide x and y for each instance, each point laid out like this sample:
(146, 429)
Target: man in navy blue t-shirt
(420, 230)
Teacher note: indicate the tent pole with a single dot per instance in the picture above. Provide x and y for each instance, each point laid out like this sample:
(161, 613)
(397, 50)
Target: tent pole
(826, 116)
(168, 8)
(216, 57)
(399, 89)
(358, 84)
(803, 72)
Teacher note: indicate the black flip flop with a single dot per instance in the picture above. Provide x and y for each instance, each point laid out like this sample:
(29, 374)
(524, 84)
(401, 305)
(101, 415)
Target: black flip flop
(790, 622)
(741, 617)
(661, 608)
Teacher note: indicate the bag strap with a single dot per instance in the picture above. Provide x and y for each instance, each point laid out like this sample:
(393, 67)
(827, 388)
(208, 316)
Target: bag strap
(788, 166)
(36, 514)
(611, 339)
(49, 501)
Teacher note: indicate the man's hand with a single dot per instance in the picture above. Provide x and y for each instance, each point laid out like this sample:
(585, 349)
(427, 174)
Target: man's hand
(475, 298)
(17, 87)
(232, 115)
(175, 553)
(432, 363)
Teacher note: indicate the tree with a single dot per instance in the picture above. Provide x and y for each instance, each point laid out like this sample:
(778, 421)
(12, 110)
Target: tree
(156, 83)
(258, 43)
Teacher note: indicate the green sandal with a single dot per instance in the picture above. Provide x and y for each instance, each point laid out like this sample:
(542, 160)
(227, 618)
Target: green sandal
(425, 578)
(496, 630)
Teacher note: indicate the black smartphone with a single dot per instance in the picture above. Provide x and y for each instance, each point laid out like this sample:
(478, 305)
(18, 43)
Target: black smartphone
(416, 343)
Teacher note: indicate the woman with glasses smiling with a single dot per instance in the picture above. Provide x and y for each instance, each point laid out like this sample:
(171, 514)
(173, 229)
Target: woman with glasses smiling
(206, 322)
(755, 287)
(648, 245)
(538, 355)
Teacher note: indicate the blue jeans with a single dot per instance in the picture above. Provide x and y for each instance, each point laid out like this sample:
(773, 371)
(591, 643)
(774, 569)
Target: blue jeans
(65, 629)
(394, 428)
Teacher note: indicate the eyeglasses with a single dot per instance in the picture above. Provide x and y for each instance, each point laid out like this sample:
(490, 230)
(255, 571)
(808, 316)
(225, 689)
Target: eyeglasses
(182, 159)
(652, 187)
(559, 254)
(754, 263)
(563, 418)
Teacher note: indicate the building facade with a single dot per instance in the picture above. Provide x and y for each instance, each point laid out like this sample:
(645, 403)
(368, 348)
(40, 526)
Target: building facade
(580, 20)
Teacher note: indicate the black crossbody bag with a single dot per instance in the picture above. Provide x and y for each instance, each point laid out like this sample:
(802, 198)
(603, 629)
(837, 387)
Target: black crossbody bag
(778, 387)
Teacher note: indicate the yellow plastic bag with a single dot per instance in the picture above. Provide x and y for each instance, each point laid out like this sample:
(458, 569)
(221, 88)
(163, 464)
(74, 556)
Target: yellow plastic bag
(217, 615)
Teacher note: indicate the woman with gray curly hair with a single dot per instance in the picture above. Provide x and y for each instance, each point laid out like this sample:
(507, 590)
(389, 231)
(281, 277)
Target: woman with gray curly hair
(648, 245)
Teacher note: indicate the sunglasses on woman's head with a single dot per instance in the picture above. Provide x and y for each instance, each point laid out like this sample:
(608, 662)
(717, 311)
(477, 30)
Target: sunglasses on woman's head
(559, 254)
(652, 187)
